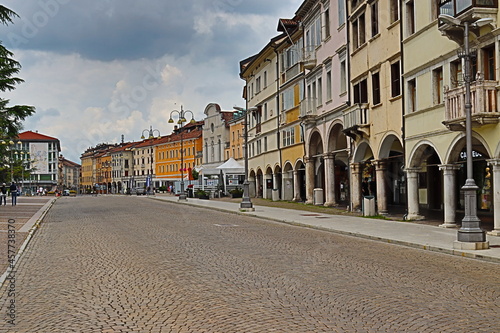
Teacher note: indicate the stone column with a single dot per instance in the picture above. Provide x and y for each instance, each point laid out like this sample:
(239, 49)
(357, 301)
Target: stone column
(355, 187)
(450, 196)
(380, 167)
(275, 195)
(495, 164)
(309, 179)
(412, 189)
(330, 180)
(296, 186)
(258, 184)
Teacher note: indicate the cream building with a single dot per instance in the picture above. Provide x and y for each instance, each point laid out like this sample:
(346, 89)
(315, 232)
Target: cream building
(260, 75)
(374, 119)
(434, 109)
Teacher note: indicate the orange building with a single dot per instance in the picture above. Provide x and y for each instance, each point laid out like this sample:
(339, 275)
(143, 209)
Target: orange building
(168, 154)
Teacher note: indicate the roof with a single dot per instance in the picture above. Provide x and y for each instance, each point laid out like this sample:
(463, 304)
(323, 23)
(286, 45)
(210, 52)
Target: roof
(35, 136)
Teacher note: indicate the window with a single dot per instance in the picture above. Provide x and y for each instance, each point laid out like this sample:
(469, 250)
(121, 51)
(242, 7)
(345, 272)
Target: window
(358, 31)
(456, 73)
(257, 85)
(374, 7)
(410, 17)
(412, 95)
(343, 76)
(329, 85)
(437, 84)
(326, 22)
(341, 11)
(489, 63)
(361, 92)
(395, 80)
(376, 88)
(394, 11)
(320, 91)
(265, 111)
(265, 79)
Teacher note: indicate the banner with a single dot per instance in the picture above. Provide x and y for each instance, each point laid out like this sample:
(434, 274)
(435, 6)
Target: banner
(39, 153)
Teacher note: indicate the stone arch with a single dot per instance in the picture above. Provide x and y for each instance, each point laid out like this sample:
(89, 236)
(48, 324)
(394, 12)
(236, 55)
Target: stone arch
(420, 153)
(362, 152)
(458, 145)
(391, 143)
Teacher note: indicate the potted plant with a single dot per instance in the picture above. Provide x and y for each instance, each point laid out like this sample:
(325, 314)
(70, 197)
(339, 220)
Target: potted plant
(236, 193)
(202, 194)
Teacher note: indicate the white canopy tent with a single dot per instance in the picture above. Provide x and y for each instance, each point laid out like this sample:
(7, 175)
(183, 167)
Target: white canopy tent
(231, 167)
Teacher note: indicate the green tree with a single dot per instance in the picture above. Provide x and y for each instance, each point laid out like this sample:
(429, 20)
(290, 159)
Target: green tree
(11, 117)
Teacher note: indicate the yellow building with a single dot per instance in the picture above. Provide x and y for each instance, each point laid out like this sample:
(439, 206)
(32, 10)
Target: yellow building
(435, 88)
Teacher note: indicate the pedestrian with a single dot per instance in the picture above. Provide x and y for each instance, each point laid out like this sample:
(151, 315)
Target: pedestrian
(3, 194)
(13, 193)
(365, 190)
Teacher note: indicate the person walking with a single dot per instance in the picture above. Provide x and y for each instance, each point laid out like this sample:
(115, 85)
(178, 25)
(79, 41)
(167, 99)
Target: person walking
(3, 194)
(13, 193)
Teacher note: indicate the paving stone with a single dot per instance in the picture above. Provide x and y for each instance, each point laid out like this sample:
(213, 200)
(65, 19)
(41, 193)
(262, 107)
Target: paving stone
(123, 264)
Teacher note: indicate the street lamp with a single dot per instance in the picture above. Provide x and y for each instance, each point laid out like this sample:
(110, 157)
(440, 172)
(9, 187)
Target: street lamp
(471, 231)
(182, 119)
(11, 144)
(246, 204)
(151, 136)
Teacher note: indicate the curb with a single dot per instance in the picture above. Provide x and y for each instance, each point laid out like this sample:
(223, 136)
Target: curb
(353, 234)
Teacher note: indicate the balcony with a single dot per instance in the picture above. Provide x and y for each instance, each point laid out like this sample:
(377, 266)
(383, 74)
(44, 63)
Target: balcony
(484, 97)
(309, 57)
(357, 121)
(466, 10)
(308, 107)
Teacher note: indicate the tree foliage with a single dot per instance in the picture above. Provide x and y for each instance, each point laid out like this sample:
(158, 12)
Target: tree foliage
(11, 117)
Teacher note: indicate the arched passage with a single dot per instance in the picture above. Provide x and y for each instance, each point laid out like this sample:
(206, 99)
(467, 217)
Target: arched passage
(315, 172)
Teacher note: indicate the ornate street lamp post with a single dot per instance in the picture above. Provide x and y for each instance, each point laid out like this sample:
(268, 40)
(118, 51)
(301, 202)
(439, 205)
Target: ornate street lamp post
(151, 136)
(246, 203)
(10, 146)
(471, 231)
(182, 119)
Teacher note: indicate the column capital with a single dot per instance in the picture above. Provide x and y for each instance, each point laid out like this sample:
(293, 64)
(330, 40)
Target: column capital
(355, 167)
(308, 159)
(413, 170)
(380, 164)
(495, 162)
(328, 156)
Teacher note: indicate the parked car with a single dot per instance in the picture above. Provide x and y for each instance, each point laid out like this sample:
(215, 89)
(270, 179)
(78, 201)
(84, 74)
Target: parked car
(140, 191)
(65, 193)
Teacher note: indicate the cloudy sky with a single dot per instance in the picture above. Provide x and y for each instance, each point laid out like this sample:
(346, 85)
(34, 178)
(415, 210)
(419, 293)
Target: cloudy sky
(99, 69)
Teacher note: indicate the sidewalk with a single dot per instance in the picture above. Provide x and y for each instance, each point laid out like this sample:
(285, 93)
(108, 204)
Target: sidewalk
(26, 216)
(421, 236)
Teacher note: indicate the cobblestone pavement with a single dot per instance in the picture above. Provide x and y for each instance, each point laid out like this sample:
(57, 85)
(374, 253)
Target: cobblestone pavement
(126, 264)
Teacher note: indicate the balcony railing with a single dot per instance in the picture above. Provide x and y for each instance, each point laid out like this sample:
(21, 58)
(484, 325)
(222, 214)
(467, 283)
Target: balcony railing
(309, 57)
(357, 120)
(484, 106)
(308, 107)
(457, 7)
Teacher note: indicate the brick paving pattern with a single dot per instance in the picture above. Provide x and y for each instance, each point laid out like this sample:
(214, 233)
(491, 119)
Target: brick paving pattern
(127, 264)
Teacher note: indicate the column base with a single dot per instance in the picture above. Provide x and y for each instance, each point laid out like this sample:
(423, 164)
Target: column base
(448, 225)
(182, 197)
(415, 217)
(471, 245)
(330, 204)
(495, 232)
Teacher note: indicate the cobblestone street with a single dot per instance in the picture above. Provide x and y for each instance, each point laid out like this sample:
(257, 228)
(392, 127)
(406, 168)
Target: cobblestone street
(131, 264)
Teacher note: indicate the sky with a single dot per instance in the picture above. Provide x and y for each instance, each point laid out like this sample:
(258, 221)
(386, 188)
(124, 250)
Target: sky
(99, 69)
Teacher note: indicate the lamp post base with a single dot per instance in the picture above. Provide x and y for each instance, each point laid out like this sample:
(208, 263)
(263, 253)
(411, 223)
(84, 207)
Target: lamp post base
(182, 197)
(457, 245)
(471, 231)
(246, 205)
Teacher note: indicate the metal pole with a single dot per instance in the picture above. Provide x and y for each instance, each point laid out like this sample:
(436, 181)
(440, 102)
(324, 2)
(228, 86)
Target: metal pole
(245, 202)
(471, 225)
